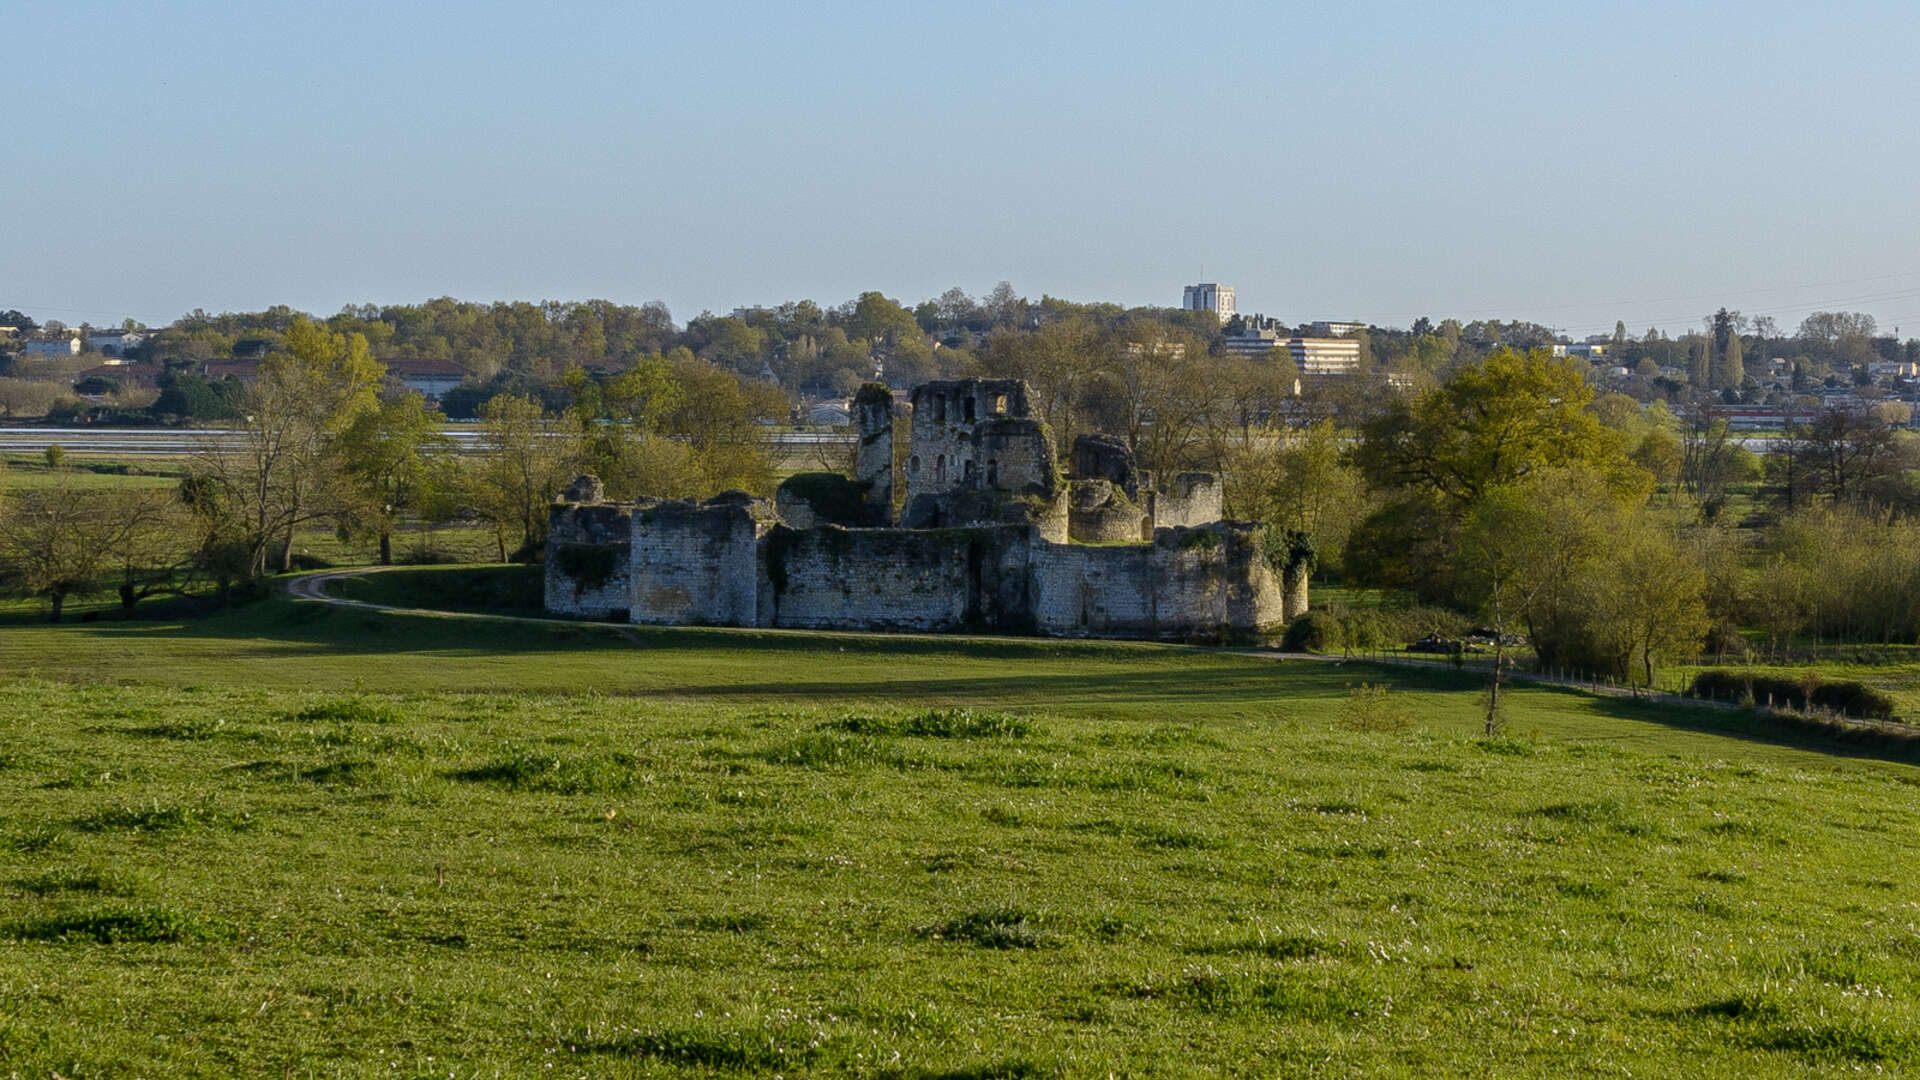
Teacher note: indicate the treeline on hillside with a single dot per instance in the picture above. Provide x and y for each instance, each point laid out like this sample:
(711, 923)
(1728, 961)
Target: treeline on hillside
(1511, 487)
(1606, 535)
(320, 446)
(1075, 349)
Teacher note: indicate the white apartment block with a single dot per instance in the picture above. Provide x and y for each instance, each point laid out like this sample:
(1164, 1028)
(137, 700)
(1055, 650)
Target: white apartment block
(1209, 296)
(1311, 355)
(1337, 329)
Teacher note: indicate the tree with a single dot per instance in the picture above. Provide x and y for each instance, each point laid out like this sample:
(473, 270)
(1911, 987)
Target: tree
(1490, 425)
(384, 460)
(1660, 454)
(154, 552)
(1844, 454)
(723, 420)
(520, 463)
(1304, 484)
(1153, 384)
(1655, 606)
(283, 470)
(1060, 362)
(62, 541)
(1003, 306)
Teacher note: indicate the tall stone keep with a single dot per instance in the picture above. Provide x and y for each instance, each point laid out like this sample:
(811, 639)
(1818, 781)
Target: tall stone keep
(873, 460)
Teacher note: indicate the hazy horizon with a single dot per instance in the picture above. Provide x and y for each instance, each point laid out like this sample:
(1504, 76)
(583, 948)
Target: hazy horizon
(1569, 166)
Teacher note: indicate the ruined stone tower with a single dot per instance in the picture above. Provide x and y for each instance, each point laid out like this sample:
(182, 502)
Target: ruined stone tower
(873, 457)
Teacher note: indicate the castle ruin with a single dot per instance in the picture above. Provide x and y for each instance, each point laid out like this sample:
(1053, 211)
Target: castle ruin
(992, 535)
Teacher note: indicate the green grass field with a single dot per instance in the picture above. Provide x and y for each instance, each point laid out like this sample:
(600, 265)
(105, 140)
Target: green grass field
(296, 839)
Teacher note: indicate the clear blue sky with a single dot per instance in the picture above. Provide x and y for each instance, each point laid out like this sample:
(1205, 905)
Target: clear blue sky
(1570, 163)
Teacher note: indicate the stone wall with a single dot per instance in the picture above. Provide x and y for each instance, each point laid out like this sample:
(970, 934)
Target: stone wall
(699, 563)
(588, 552)
(974, 434)
(873, 455)
(1105, 457)
(1209, 583)
(1190, 499)
(898, 579)
(1101, 513)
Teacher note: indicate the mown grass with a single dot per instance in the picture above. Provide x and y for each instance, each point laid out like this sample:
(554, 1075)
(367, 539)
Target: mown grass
(298, 838)
(1144, 880)
(495, 589)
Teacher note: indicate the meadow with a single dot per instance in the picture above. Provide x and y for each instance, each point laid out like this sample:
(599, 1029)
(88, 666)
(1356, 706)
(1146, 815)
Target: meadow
(299, 839)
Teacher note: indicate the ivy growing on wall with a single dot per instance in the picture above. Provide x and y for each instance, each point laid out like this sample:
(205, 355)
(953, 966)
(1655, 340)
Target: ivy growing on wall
(589, 565)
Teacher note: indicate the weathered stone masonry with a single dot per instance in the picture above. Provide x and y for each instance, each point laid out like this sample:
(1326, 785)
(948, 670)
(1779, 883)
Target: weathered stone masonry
(997, 539)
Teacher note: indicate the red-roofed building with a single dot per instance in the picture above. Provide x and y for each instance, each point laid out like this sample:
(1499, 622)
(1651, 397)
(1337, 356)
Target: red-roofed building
(428, 376)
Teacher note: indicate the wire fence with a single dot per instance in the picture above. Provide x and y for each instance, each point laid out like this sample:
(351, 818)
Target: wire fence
(1668, 687)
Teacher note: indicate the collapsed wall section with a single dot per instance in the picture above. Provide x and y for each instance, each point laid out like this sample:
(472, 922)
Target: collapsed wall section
(1209, 583)
(588, 555)
(698, 564)
(1190, 499)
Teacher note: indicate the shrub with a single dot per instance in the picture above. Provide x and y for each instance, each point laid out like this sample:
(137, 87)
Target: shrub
(589, 565)
(1313, 631)
(1806, 691)
(1372, 708)
(833, 497)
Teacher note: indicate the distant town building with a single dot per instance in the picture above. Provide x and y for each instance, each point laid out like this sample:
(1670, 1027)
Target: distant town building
(1209, 296)
(55, 347)
(1171, 350)
(1337, 329)
(1254, 339)
(114, 342)
(1311, 355)
(427, 376)
(1325, 356)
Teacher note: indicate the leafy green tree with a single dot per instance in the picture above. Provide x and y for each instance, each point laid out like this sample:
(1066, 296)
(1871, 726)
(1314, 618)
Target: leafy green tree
(1490, 425)
(283, 469)
(385, 464)
(63, 541)
(521, 462)
(1655, 606)
(724, 419)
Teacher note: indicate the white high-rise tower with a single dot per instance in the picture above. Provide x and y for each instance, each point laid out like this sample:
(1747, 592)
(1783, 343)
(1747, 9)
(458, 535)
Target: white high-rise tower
(1209, 297)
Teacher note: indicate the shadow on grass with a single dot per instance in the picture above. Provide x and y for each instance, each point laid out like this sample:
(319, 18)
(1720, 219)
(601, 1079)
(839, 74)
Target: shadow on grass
(718, 664)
